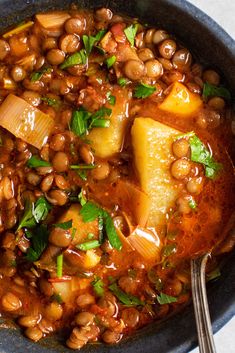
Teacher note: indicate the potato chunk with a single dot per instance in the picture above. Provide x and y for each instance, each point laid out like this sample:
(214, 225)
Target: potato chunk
(181, 101)
(107, 141)
(153, 156)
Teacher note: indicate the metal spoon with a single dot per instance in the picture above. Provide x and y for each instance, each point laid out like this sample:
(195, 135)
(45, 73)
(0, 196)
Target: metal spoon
(200, 303)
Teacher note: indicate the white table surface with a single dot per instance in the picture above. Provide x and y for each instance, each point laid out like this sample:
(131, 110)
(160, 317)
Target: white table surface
(222, 11)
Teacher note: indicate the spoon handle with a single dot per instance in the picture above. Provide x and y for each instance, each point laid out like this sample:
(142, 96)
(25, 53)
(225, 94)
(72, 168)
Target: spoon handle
(202, 315)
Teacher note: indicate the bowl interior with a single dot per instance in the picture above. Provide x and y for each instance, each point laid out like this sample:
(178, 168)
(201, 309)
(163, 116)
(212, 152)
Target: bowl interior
(215, 48)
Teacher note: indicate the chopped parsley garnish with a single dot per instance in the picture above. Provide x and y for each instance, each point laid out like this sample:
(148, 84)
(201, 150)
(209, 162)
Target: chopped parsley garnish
(122, 81)
(90, 41)
(124, 298)
(59, 265)
(186, 135)
(39, 243)
(34, 213)
(82, 174)
(215, 91)
(82, 166)
(165, 299)
(91, 211)
(65, 225)
(79, 58)
(98, 286)
(88, 245)
(200, 154)
(35, 162)
(36, 76)
(130, 33)
(110, 61)
(111, 99)
(81, 198)
(83, 121)
(169, 249)
(192, 204)
(52, 102)
(142, 90)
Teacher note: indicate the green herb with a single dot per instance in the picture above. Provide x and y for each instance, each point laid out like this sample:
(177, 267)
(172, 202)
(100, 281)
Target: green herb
(110, 61)
(82, 174)
(28, 233)
(169, 249)
(90, 212)
(79, 58)
(83, 166)
(200, 154)
(111, 232)
(142, 90)
(59, 266)
(98, 117)
(40, 209)
(98, 286)
(165, 299)
(215, 91)
(126, 299)
(35, 76)
(130, 33)
(192, 204)
(122, 81)
(34, 213)
(213, 275)
(111, 99)
(101, 229)
(79, 122)
(39, 243)
(100, 50)
(81, 198)
(57, 297)
(111, 279)
(90, 236)
(52, 102)
(65, 225)
(90, 41)
(35, 162)
(92, 244)
(101, 123)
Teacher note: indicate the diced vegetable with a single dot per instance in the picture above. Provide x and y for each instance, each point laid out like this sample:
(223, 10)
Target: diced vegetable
(18, 29)
(146, 243)
(27, 122)
(81, 229)
(152, 143)
(27, 62)
(52, 20)
(215, 91)
(91, 259)
(200, 154)
(110, 61)
(92, 244)
(165, 299)
(181, 101)
(124, 298)
(108, 141)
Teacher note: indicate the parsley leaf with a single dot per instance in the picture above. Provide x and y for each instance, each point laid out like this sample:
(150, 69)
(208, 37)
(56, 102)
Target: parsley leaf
(98, 286)
(36, 76)
(52, 102)
(142, 90)
(79, 121)
(78, 58)
(212, 91)
(124, 298)
(90, 41)
(192, 204)
(90, 212)
(130, 33)
(122, 81)
(28, 219)
(111, 232)
(41, 209)
(110, 61)
(35, 162)
(65, 225)
(81, 198)
(92, 244)
(165, 299)
(111, 99)
(200, 154)
(39, 242)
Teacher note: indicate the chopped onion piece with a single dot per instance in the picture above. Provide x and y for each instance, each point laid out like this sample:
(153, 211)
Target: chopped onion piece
(25, 121)
(126, 245)
(18, 29)
(146, 243)
(53, 19)
(27, 61)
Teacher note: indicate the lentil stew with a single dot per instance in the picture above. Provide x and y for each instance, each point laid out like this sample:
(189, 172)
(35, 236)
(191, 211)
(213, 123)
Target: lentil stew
(115, 171)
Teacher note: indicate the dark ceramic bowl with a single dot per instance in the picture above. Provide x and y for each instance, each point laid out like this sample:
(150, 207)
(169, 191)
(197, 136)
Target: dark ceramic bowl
(215, 48)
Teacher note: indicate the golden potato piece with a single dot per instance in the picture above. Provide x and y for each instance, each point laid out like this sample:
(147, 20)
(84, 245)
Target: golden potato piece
(152, 143)
(181, 101)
